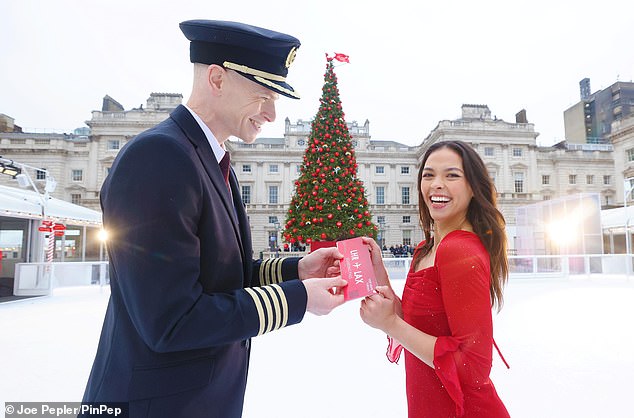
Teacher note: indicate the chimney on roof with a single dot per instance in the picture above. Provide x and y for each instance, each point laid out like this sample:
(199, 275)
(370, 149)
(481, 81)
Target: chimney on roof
(520, 117)
(111, 105)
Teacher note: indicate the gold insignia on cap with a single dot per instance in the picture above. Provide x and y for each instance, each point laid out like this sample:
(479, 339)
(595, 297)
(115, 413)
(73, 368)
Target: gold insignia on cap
(276, 86)
(291, 56)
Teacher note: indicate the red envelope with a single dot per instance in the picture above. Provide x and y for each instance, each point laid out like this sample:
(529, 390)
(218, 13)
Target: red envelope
(356, 269)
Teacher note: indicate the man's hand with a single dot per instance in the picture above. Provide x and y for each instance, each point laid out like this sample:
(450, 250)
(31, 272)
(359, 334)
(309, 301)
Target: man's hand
(321, 297)
(323, 262)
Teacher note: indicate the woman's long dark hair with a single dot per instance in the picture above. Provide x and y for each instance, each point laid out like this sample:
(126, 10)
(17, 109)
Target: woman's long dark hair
(487, 221)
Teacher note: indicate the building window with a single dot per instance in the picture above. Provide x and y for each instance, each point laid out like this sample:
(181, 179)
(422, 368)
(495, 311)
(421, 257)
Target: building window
(380, 195)
(298, 169)
(488, 151)
(607, 180)
(114, 144)
(572, 179)
(545, 179)
(301, 142)
(246, 168)
(405, 195)
(77, 175)
(547, 197)
(404, 170)
(40, 174)
(246, 195)
(630, 154)
(379, 169)
(75, 198)
(517, 152)
(407, 237)
(272, 219)
(590, 179)
(519, 182)
(273, 168)
(492, 175)
(273, 195)
(380, 219)
(407, 219)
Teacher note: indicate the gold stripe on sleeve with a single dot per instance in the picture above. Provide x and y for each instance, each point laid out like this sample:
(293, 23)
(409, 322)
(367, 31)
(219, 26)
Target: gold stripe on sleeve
(262, 267)
(267, 307)
(258, 308)
(284, 304)
(276, 307)
(279, 278)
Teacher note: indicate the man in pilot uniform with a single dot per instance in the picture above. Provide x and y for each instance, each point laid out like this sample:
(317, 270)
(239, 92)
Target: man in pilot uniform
(186, 295)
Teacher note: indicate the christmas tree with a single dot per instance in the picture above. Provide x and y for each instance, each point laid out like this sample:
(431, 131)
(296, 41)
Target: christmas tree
(329, 202)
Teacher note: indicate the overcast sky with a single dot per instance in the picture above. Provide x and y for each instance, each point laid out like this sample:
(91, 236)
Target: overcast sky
(412, 63)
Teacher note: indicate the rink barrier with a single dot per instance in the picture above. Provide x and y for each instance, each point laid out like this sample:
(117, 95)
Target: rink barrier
(39, 279)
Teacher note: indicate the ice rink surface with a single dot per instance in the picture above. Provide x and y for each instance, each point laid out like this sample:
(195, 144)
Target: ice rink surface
(569, 342)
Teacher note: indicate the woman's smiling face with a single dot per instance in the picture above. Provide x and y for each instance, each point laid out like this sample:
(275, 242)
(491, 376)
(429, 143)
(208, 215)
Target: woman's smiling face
(445, 189)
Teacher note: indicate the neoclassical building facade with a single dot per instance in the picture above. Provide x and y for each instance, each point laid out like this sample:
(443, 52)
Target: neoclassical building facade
(523, 171)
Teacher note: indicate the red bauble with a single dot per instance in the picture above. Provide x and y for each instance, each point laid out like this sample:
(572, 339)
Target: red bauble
(359, 225)
(329, 216)
(338, 224)
(323, 235)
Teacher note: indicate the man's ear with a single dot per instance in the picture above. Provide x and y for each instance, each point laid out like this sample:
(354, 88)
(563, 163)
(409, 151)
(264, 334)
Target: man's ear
(217, 78)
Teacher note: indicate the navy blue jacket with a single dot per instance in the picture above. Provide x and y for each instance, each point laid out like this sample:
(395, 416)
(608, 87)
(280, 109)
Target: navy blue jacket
(186, 295)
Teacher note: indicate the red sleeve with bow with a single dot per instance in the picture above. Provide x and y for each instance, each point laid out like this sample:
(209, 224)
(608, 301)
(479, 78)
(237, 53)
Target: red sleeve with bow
(464, 357)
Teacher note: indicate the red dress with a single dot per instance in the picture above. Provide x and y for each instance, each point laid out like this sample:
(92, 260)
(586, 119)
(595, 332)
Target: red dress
(450, 300)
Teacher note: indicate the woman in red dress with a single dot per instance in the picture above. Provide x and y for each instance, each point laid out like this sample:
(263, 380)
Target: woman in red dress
(444, 321)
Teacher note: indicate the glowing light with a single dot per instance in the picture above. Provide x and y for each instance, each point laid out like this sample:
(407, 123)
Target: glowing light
(103, 235)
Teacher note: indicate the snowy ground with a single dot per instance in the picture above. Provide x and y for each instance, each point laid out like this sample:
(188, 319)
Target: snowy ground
(570, 344)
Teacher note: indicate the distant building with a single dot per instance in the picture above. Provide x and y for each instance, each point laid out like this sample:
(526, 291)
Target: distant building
(523, 172)
(590, 120)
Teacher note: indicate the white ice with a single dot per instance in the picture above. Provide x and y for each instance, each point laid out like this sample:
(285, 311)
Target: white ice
(569, 342)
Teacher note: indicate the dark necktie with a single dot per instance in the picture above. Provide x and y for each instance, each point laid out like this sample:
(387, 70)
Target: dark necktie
(224, 163)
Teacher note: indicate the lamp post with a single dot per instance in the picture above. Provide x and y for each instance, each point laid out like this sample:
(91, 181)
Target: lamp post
(382, 232)
(276, 225)
(19, 171)
(628, 185)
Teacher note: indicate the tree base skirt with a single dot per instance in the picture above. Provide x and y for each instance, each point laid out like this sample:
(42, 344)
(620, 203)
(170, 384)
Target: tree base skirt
(315, 245)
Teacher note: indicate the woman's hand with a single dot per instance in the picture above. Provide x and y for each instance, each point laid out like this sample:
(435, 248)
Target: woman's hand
(376, 256)
(381, 310)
